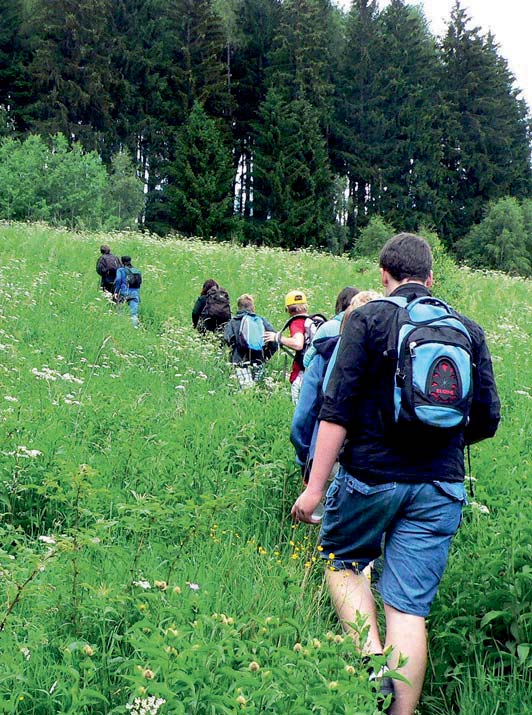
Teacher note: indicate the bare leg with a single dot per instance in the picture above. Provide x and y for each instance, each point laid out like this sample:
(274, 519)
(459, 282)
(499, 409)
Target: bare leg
(407, 636)
(351, 595)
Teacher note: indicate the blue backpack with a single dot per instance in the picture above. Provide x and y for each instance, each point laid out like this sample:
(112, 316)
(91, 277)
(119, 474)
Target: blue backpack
(250, 333)
(433, 379)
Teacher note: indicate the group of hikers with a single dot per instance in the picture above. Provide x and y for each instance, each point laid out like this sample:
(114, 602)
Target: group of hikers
(120, 280)
(387, 394)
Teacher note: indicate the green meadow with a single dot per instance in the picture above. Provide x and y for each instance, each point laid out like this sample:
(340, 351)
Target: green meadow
(146, 547)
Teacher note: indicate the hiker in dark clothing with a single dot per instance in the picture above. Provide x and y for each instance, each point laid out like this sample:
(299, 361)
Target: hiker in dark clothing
(106, 267)
(216, 312)
(398, 476)
(200, 302)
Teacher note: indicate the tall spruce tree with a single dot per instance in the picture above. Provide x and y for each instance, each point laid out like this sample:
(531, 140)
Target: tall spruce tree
(257, 23)
(301, 56)
(293, 183)
(15, 85)
(70, 70)
(186, 65)
(486, 141)
(196, 199)
(356, 104)
(406, 152)
(385, 131)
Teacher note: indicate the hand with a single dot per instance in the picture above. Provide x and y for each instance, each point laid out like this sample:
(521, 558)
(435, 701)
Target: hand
(305, 505)
(270, 336)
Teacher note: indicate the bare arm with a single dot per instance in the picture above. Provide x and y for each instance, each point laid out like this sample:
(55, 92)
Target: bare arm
(296, 342)
(330, 440)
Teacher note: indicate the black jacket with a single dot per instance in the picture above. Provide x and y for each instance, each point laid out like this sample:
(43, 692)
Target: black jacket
(360, 397)
(196, 310)
(238, 356)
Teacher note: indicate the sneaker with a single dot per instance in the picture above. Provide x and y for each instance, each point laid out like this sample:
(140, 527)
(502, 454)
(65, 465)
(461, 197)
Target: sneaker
(385, 690)
(385, 687)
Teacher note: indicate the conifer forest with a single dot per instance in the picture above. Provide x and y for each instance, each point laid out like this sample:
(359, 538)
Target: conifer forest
(280, 122)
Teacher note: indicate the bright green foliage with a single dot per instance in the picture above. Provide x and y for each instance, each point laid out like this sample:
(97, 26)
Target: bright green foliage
(21, 170)
(145, 471)
(526, 206)
(146, 545)
(373, 237)
(500, 241)
(125, 195)
(485, 128)
(197, 198)
(65, 185)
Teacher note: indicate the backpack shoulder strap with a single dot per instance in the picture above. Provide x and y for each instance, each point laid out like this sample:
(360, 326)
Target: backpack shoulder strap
(399, 301)
(291, 319)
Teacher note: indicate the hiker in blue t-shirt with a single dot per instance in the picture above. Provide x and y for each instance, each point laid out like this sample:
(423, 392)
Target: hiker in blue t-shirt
(244, 334)
(127, 288)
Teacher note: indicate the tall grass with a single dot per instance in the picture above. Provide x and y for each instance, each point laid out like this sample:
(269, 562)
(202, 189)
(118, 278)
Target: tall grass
(146, 546)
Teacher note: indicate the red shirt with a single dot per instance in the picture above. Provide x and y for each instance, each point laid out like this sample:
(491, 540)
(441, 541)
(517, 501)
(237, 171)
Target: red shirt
(296, 326)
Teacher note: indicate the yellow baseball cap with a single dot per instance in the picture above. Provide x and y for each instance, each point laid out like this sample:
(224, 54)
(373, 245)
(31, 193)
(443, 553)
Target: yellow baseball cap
(295, 297)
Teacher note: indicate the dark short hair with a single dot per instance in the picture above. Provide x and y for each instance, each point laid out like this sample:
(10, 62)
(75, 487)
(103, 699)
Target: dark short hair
(406, 256)
(209, 283)
(126, 260)
(344, 298)
(104, 248)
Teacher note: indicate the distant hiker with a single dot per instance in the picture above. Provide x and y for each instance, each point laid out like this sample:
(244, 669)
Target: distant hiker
(331, 327)
(216, 311)
(304, 429)
(200, 302)
(302, 330)
(106, 267)
(127, 288)
(412, 384)
(245, 336)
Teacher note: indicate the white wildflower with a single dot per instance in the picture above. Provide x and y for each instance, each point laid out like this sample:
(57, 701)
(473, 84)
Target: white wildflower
(193, 586)
(25, 652)
(10, 399)
(71, 378)
(45, 374)
(142, 584)
(482, 508)
(46, 539)
(145, 706)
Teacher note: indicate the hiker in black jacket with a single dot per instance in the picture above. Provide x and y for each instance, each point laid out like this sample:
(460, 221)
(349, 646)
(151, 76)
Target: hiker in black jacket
(201, 300)
(401, 481)
(106, 267)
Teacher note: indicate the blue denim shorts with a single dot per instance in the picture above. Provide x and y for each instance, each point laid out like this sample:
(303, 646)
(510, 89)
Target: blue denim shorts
(416, 522)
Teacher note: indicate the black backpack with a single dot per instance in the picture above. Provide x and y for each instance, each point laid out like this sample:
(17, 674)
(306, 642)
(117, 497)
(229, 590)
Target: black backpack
(133, 278)
(312, 323)
(108, 267)
(217, 310)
